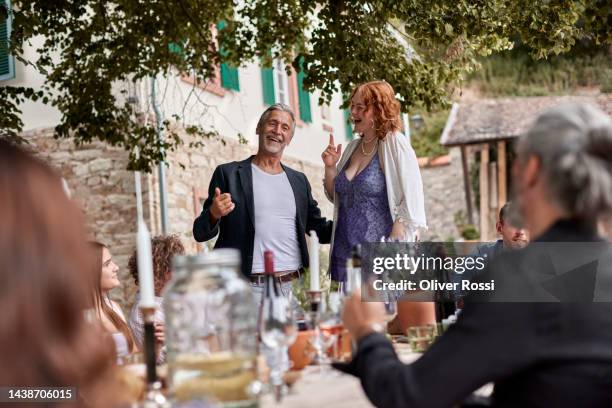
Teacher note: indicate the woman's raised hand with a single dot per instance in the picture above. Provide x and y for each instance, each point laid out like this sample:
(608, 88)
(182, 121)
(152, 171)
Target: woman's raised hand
(332, 153)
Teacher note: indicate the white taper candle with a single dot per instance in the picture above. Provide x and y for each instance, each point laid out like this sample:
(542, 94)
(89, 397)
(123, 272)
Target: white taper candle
(314, 261)
(145, 255)
(145, 266)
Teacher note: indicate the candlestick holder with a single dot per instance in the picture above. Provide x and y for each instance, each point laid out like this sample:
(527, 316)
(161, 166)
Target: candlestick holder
(154, 397)
(315, 298)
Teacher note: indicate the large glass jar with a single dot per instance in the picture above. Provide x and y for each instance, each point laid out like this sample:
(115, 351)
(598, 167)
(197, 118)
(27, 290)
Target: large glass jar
(211, 330)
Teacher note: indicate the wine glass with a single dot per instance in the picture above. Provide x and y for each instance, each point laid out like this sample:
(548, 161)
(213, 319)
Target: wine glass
(324, 324)
(390, 298)
(278, 329)
(390, 308)
(331, 324)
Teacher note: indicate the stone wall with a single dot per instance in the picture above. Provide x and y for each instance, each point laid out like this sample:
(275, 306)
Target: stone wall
(444, 196)
(97, 179)
(105, 191)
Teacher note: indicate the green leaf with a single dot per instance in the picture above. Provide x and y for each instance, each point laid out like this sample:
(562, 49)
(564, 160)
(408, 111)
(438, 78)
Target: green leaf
(343, 43)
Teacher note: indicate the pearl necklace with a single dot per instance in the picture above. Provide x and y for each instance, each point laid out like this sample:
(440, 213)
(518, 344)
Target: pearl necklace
(363, 151)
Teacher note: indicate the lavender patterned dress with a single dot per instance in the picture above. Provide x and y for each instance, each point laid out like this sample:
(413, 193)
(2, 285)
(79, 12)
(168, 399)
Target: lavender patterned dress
(363, 215)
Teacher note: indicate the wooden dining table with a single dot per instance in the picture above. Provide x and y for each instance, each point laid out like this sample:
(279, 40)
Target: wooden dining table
(323, 386)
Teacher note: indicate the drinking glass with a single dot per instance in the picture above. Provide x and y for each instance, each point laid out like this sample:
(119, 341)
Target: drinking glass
(278, 331)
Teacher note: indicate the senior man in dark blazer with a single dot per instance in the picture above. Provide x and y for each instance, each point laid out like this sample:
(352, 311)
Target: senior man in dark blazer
(260, 204)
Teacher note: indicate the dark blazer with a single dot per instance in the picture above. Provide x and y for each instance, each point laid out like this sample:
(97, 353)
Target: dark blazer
(537, 354)
(237, 229)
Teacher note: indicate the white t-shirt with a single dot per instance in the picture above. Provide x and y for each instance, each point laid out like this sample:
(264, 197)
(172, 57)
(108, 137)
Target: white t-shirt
(275, 223)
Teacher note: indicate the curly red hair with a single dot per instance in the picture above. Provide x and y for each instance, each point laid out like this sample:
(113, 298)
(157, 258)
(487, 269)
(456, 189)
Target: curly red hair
(381, 97)
(164, 247)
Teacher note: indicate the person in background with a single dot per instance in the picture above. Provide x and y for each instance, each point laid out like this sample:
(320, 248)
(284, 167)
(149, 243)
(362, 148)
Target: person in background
(108, 311)
(45, 341)
(376, 187)
(511, 238)
(261, 204)
(164, 248)
(538, 354)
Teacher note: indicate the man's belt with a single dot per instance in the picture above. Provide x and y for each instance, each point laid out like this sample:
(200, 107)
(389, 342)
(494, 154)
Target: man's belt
(282, 277)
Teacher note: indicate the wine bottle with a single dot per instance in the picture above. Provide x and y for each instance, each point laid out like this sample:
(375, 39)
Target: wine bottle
(269, 289)
(278, 325)
(278, 328)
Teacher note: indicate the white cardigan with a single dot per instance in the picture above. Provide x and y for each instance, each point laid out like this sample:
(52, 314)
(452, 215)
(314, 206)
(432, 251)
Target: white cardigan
(403, 179)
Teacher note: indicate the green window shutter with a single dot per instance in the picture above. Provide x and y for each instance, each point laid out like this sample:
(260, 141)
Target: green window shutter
(175, 48)
(229, 75)
(267, 83)
(304, 99)
(347, 124)
(7, 61)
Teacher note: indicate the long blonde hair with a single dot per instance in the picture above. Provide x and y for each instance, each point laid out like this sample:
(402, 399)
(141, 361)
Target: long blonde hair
(102, 302)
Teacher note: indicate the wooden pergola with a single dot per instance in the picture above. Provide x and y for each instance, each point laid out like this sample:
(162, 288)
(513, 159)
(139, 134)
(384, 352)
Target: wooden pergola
(488, 125)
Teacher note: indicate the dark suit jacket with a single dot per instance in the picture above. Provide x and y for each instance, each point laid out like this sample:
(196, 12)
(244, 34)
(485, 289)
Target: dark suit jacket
(237, 229)
(537, 354)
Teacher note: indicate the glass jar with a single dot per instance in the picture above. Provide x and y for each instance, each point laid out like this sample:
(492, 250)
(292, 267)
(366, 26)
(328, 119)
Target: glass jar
(211, 330)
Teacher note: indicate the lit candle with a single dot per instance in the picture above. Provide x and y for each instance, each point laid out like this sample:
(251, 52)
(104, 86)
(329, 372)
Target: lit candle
(314, 261)
(143, 250)
(145, 266)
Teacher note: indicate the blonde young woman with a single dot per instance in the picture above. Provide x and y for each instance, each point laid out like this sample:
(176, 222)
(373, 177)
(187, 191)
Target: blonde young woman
(375, 184)
(109, 312)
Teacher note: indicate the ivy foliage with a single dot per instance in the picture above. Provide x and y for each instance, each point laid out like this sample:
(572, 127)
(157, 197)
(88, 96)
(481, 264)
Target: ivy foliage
(425, 139)
(422, 48)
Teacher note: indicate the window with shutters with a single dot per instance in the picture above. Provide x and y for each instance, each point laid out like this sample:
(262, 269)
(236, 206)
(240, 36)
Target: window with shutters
(7, 61)
(229, 77)
(212, 85)
(281, 83)
(278, 87)
(303, 96)
(267, 85)
(225, 76)
(229, 74)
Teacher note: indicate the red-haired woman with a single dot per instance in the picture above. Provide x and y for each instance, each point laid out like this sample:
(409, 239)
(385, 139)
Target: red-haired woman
(375, 185)
(108, 311)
